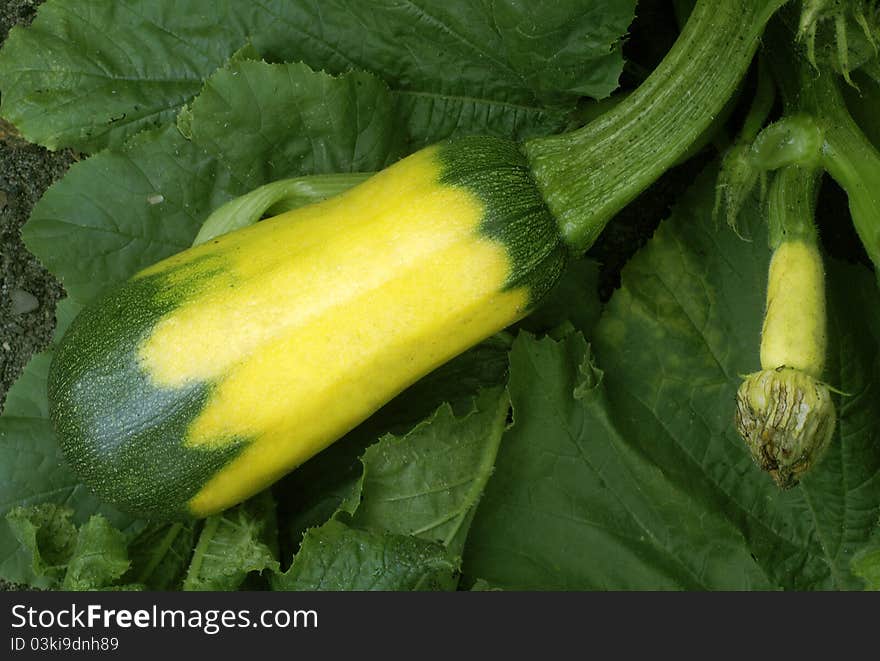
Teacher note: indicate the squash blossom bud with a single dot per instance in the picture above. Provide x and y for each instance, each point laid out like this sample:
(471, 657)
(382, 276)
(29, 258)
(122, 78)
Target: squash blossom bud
(787, 419)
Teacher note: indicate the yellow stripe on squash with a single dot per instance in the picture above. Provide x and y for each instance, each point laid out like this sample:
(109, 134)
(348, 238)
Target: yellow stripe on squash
(318, 317)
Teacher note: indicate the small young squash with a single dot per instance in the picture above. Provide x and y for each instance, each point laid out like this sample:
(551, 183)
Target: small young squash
(784, 412)
(211, 374)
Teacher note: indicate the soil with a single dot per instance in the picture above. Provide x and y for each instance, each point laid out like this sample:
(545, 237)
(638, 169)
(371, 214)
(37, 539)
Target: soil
(28, 293)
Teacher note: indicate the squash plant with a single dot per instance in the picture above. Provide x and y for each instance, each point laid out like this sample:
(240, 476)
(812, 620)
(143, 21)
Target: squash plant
(500, 425)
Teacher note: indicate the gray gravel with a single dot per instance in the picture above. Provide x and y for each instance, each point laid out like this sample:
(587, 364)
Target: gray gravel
(28, 293)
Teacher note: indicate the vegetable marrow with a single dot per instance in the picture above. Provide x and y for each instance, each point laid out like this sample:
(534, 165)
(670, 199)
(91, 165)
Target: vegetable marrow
(211, 374)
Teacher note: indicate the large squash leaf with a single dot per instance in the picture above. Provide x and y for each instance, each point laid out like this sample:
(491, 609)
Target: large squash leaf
(90, 74)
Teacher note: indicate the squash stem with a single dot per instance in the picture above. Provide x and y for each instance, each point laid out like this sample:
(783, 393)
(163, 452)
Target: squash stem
(855, 164)
(275, 198)
(845, 152)
(791, 206)
(588, 175)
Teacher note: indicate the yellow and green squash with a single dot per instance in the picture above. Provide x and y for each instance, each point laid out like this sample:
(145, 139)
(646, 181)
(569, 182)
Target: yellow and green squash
(211, 374)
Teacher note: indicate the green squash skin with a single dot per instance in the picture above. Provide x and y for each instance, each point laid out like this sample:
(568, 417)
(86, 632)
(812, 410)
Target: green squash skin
(123, 435)
(515, 215)
(112, 423)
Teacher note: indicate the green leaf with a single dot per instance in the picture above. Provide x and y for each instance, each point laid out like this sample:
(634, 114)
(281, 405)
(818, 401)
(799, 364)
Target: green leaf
(866, 565)
(91, 558)
(481, 585)
(99, 557)
(572, 506)
(160, 555)
(502, 51)
(569, 49)
(517, 73)
(638, 479)
(89, 75)
(120, 211)
(428, 482)
(428, 117)
(422, 486)
(46, 532)
(289, 119)
(27, 396)
(574, 299)
(233, 544)
(338, 557)
(33, 471)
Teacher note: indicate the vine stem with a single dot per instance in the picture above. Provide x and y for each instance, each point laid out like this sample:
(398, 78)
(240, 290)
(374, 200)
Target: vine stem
(844, 152)
(588, 175)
